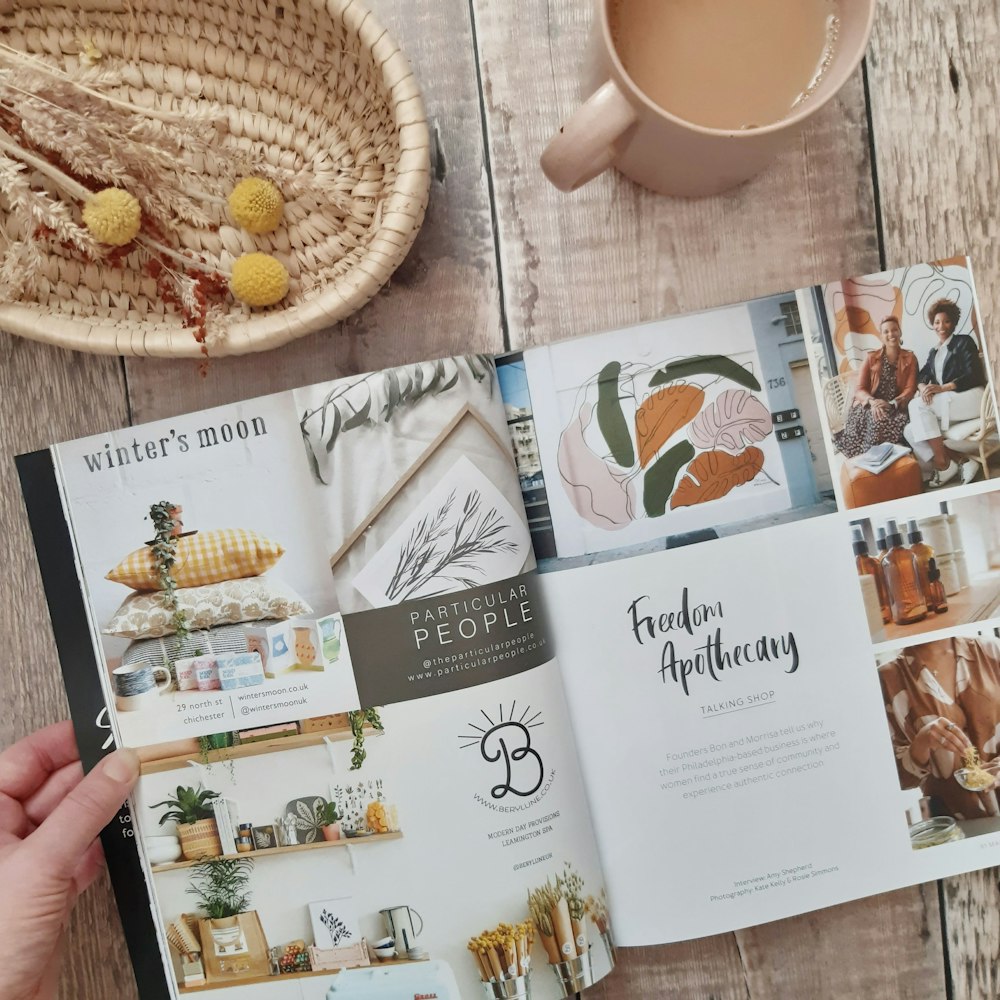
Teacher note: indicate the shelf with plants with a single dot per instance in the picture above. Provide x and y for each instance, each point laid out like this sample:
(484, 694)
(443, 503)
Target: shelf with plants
(255, 980)
(372, 838)
(251, 749)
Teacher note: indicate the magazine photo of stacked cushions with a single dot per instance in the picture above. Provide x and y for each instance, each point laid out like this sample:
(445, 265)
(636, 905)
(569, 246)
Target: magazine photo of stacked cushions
(220, 586)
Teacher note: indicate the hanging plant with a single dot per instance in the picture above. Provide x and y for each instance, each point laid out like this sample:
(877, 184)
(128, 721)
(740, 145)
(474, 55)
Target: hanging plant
(358, 720)
(166, 522)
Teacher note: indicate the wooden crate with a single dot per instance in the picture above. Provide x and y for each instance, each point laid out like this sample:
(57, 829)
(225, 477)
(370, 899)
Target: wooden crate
(351, 956)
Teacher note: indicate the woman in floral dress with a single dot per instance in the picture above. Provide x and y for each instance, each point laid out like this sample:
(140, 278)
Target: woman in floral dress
(887, 382)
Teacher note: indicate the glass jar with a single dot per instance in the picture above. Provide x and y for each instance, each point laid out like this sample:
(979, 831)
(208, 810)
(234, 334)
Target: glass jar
(935, 831)
(245, 842)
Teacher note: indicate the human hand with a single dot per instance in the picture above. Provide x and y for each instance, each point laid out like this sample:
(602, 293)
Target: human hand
(879, 407)
(938, 734)
(50, 816)
(992, 767)
(928, 392)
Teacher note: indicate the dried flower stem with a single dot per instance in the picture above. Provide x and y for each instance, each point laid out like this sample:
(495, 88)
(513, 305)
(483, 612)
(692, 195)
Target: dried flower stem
(155, 245)
(14, 57)
(68, 186)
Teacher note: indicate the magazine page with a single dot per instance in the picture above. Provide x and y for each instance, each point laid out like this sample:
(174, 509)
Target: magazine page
(316, 616)
(756, 565)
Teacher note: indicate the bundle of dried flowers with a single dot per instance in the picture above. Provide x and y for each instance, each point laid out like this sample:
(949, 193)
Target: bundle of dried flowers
(87, 174)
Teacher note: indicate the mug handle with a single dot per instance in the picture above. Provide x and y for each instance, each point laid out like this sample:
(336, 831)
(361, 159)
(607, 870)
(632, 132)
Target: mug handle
(421, 919)
(584, 145)
(168, 684)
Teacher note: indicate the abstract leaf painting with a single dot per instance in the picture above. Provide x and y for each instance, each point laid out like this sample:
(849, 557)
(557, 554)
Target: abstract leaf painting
(675, 434)
(463, 534)
(734, 420)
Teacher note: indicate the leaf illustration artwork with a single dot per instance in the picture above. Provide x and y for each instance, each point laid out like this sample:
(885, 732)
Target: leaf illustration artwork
(598, 494)
(662, 414)
(636, 428)
(659, 481)
(443, 550)
(713, 474)
(306, 815)
(610, 418)
(735, 419)
(337, 929)
(462, 533)
(705, 364)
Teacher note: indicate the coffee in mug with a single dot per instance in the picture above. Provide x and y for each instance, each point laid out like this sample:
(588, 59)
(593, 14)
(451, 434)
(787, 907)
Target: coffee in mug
(726, 64)
(136, 685)
(692, 97)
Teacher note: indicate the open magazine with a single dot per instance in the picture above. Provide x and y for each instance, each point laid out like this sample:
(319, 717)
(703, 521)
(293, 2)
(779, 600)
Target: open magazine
(434, 672)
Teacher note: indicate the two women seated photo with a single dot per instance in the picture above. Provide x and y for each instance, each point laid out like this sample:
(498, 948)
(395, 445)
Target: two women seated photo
(897, 399)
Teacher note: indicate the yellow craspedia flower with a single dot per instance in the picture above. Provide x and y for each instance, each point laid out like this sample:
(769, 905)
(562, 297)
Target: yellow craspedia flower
(113, 216)
(256, 204)
(259, 279)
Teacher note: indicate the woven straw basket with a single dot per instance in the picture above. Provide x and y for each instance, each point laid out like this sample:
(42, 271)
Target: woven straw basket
(312, 85)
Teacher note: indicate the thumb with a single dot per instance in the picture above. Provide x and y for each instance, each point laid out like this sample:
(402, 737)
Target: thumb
(75, 823)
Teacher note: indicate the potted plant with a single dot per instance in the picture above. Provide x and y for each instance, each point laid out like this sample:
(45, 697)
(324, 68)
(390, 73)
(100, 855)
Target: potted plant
(191, 810)
(221, 887)
(329, 820)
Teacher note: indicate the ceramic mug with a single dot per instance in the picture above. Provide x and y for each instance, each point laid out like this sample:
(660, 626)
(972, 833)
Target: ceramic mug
(136, 685)
(619, 126)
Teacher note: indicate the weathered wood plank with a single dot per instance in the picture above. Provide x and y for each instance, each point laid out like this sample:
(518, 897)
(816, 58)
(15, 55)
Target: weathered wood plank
(51, 395)
(885, 946)
(935, 84)
(709, 967)
(935, 87)
(444, 297)
(972, 924)
(613, 253)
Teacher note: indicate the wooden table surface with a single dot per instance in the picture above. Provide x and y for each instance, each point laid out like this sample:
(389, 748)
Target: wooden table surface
(904, 167)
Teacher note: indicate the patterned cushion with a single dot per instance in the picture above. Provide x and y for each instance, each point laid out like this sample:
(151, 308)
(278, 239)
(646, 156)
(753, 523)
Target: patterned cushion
(166, 649)
(147, 616)
(202, 558)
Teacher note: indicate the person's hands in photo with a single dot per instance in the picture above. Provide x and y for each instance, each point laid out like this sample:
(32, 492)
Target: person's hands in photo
(928, 392)
(879, 407)
(939, 734)
(50, 817)
(993, 767)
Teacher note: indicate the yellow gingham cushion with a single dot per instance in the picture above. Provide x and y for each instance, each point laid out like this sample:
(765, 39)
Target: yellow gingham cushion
(204, 558)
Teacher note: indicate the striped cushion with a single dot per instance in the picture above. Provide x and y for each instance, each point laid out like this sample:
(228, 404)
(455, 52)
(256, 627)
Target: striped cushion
(156, 652)
(203, 558)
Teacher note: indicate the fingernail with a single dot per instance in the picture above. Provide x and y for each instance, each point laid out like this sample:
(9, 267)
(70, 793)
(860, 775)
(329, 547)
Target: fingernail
(122, 766)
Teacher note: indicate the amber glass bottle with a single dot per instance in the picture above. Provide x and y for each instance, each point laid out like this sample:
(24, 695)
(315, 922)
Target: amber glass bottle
(869, 567)
(882, 547)
(924, 554)
(903, 577)
(937, 600)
